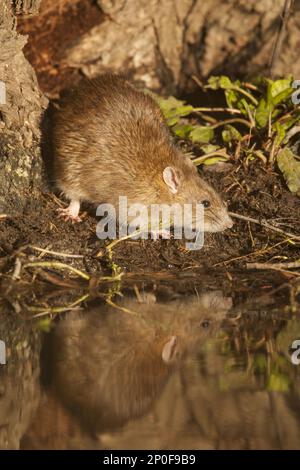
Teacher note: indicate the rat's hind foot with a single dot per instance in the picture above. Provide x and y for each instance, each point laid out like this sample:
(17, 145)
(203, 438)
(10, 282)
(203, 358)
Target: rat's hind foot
(71, 212)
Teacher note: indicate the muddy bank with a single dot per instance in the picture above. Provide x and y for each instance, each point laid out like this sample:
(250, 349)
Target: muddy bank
(220, 264)
(256, 192)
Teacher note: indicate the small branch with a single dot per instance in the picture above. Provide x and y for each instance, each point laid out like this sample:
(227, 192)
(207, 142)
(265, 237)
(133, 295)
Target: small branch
(279, 266)
(118, 307)
(217, 110)
(231, 121)
(53, 310)
(55, 253)
(266, 225)
(57, 265)
(280, 35)
(17, 270)
(217, 153)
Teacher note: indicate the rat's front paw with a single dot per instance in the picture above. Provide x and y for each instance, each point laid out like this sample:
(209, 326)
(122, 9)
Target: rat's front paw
(67, 214)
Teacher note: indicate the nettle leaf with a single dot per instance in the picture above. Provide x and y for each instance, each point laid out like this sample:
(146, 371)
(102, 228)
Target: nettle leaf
(232, 98)
(290, 169)
(202, 134)
(279, 91)
(172, 108)
(223, 82)
(183, 130)
(280, 133)
(262, 113)
(172, 121)
(230, 133)
(179, 112)
(167, 103)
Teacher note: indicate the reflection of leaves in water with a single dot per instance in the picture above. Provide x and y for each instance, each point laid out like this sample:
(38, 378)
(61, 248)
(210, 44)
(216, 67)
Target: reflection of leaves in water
(243, 357)
(278, 383)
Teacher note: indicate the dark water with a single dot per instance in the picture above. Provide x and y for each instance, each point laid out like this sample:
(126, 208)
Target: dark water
(187, 372)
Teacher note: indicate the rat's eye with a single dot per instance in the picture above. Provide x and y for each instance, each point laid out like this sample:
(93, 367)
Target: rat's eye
(205, 324)
(206, 204)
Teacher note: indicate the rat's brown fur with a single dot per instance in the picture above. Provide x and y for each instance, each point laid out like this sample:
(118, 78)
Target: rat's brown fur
(111, 140)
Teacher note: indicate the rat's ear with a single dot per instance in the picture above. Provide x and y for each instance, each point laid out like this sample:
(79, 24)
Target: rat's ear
(171, 179)
(170, 350)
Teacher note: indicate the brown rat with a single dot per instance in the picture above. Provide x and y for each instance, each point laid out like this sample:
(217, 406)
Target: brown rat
(111, 366)
(111, 140)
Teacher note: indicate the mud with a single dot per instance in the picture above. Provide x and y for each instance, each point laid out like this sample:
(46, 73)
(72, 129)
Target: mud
(165, 264)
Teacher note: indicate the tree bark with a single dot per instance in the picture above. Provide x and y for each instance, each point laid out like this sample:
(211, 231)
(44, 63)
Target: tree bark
(160, 43)
(20, 113)
(165, 43)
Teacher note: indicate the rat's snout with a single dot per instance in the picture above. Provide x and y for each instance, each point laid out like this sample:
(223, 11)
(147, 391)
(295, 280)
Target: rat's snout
(221, 222)
(228, 222)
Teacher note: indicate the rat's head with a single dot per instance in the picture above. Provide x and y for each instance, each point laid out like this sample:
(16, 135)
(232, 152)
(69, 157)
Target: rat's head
(183, 182)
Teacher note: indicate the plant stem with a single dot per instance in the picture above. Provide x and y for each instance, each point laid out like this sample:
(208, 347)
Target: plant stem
(230, 121)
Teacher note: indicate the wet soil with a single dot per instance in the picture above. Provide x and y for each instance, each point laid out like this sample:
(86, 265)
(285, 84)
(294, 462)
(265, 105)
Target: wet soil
(220, 264)
(255, 192)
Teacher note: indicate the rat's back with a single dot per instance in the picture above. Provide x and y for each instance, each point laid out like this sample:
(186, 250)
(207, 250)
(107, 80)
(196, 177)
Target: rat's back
(104, 132)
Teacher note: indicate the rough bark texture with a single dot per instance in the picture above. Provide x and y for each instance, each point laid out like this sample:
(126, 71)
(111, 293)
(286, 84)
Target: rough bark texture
(164, 43)
(20, 160)
(160, 43)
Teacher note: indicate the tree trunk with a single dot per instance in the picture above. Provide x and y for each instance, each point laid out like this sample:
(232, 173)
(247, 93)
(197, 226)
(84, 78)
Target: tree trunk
(160, 43)
(20, 113)
(165, 42)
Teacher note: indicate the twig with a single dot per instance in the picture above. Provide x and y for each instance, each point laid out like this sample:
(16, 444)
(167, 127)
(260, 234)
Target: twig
(280, 34)
(265, 224)
(17, 270)
(49, 310)
(54, 253)
(252, 253)
(217, 153)
(291, 265)
(118, 307)
(57, 265)
(217, 110)
(231, 121)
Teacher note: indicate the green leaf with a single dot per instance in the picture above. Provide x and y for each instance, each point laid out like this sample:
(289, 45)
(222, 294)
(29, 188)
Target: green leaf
(262, 113)
(280, 133)
(230, 133)
(214, 160)
(172, 108)
(290, 169)
(183, 130)
(220, 82)
(279, 91)
(232, 98)
(167, 103)
(180, 111)
(202, 134)
(209, 148)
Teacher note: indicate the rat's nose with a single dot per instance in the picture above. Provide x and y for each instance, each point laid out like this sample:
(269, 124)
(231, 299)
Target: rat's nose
(228, 222)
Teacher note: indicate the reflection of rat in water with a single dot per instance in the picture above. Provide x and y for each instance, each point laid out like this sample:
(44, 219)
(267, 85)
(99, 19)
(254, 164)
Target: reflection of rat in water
(111, 140)
(110, 366)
